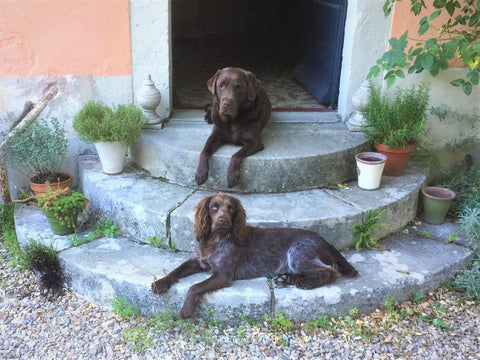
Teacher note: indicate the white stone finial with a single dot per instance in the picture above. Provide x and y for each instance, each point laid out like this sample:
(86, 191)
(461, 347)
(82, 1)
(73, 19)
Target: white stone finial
(360, 100)
(149, 98)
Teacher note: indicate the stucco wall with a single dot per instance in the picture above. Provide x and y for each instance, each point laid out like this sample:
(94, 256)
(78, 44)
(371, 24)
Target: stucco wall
(103, 49)
(367, 32)
(80, 46)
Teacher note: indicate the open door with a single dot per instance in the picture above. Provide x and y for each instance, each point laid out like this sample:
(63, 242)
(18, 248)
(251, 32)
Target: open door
(320, 48)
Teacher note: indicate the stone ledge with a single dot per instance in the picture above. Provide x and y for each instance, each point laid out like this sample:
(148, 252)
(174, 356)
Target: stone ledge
(110, 267)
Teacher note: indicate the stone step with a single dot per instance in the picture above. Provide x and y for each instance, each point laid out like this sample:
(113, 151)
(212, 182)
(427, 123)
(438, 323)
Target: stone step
(143, 206)
(111, 267)
(302, 152)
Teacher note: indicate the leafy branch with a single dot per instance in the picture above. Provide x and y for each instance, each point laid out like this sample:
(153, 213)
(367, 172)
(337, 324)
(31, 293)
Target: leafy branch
(456, 38)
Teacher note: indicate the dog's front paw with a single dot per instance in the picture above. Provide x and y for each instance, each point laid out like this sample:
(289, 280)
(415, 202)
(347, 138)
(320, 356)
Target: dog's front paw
(201, 176)
(233, 178)
(187, 310)
(160, 286)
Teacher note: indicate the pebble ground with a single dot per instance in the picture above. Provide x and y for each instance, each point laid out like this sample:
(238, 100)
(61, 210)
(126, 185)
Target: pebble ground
(35, 324)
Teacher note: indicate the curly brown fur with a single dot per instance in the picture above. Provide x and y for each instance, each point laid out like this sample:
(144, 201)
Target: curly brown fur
(232, 250)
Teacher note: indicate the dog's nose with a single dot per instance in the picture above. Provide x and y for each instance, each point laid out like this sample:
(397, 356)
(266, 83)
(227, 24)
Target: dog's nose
(226, 102)
(223, 221)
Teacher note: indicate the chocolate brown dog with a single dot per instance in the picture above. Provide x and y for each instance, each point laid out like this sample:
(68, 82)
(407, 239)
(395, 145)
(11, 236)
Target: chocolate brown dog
(232, 250)
(239, 111)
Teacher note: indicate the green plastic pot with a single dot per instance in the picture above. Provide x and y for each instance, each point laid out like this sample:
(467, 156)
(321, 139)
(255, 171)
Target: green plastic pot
(62, 227)
(436, 203)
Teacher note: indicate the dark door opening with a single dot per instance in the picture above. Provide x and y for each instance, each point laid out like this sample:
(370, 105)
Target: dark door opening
(271, 38)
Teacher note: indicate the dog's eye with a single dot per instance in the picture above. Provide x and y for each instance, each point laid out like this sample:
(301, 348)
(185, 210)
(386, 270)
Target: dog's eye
(214, 207)
(222, 84)
(231, 210)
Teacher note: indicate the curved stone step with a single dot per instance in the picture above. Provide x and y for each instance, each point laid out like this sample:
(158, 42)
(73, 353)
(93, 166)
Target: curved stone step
(142, 206)
(111, 267)
(298, 155)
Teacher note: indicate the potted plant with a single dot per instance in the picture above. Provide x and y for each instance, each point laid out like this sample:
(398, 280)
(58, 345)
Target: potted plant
(111, 129)
(436, 203)
(62, 207)
(393, 125)
(37, 151)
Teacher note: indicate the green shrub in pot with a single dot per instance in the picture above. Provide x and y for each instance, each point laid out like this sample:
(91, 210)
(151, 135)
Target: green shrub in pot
(96, 122)
(38, 151)
(397, 121)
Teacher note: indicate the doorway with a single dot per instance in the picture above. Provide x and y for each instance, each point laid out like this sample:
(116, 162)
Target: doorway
(272, 38)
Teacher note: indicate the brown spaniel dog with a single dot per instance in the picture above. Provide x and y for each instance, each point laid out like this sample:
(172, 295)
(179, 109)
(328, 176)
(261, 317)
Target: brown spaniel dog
(232, 250)
(239, 111)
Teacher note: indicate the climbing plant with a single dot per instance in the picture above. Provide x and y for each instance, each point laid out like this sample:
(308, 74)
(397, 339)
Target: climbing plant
(457, 37)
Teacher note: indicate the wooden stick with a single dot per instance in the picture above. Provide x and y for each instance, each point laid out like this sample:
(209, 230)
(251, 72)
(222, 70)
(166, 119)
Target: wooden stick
(28, 116)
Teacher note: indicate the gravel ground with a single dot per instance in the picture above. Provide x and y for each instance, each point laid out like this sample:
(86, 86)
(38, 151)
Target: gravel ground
(38, 325)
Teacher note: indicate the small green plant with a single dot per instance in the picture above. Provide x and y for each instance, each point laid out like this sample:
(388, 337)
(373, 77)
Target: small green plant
(106, 228)
(38, 150)
(427, 234)
(279, 323)
(324, 322)
(390, 304)
(417, 297)
(448, 285)
(399, 121)
(428, 318)
(354, 325)
(451, 238)
(161, 244)
(140, 338)
(44, 259)
(10, 241)
(364, 234)
(466, 185)
(470, 222)
(99, 123)
(123, 308)
(64, 204)
(469, 279)
(251, 322)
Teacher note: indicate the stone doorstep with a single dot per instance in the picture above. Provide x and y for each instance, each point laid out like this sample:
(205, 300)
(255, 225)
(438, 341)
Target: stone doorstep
(111, 267)
(117, 267)
(142, 206)
(296, 156)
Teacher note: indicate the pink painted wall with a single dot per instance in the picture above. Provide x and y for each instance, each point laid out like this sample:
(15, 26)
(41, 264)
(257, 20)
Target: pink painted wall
(404, 20)
(64, 37)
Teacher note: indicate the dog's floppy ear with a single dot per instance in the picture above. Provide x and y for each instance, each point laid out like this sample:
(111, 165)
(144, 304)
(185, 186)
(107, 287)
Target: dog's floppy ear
(253, 85)
(212, 83)
(239, 226)
(202, 226)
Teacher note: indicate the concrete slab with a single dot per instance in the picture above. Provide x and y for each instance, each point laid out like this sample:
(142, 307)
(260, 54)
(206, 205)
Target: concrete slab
(111, 267)
(31, 223)
(107, 268)
(296, 156)
(143, 206)
(139, 205)
(398, 195)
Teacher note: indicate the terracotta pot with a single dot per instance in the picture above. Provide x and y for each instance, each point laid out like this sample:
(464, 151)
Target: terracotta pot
(436, 203)
(369, 169)
(39, 189)
(397, 158)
